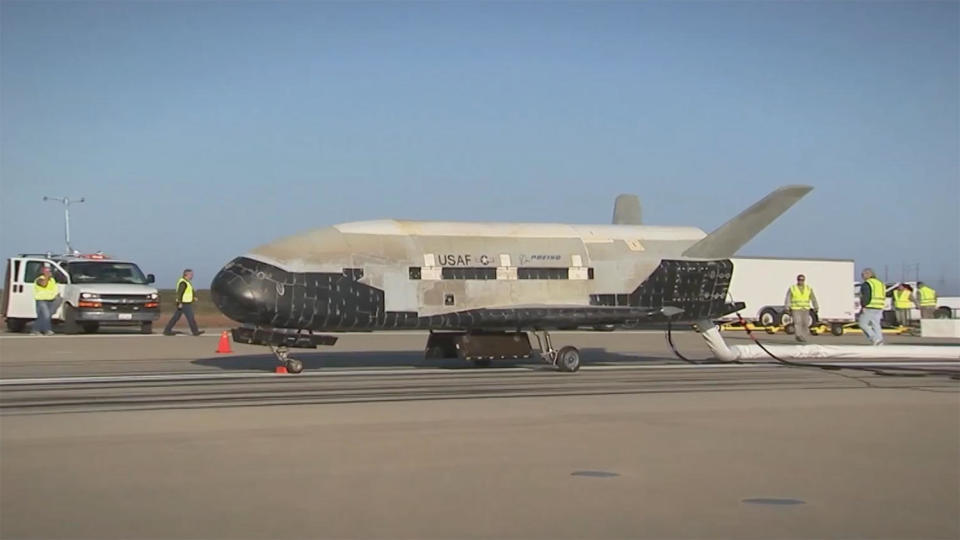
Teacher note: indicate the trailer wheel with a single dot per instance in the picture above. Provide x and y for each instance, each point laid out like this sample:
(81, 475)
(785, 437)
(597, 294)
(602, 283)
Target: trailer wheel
(768, 316)
(942, 313)
(836, 329)
(785, 318)
(789, 329)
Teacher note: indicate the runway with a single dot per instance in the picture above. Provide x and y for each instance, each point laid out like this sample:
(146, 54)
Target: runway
(153, 437)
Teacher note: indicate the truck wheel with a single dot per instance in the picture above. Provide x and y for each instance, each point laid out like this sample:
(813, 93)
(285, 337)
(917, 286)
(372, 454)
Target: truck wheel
(90, 327)
(768, 317)
(16, 325)
(69, 324)
(942, 313)
(836, 329)
(146, 327)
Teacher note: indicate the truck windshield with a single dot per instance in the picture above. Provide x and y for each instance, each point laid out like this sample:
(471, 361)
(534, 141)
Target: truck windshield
(105, 272)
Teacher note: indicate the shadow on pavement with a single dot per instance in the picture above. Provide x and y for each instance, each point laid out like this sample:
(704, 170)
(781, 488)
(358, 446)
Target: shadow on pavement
(406, 358)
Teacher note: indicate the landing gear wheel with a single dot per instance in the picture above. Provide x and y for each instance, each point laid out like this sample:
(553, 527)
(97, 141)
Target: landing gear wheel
(836, 329)
(568, 359)
(294, 365)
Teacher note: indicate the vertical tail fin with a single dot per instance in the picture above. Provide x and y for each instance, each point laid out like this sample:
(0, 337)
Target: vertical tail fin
(626, 210)
(732, 235)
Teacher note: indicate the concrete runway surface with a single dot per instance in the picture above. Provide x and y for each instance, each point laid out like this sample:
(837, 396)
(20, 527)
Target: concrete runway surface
(127, 436)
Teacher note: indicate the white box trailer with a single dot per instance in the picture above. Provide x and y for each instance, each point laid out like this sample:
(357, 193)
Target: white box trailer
(762, 283)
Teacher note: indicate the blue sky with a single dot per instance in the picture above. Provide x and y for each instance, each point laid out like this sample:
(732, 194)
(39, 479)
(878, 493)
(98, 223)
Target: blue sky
(198, 130)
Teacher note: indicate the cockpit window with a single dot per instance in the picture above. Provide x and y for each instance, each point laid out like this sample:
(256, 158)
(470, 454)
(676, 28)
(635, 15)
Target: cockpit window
(102, 272)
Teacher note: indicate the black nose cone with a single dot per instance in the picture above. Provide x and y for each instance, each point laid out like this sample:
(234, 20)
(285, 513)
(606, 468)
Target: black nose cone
(239, 290)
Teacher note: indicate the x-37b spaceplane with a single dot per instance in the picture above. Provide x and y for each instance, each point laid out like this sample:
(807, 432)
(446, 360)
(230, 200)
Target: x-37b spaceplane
(482, 289)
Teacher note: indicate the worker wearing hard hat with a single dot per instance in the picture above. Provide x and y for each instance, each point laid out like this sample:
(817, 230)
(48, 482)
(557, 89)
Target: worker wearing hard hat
(927, 298)
(903, 303)
(872, 301)
(46, 293)
(800, 299)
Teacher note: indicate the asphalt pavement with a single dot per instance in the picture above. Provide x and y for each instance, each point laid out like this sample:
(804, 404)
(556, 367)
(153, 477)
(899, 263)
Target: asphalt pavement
(129, 436)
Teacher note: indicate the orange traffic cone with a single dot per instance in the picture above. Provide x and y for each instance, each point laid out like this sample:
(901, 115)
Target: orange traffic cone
(224, 345)
(280, 369)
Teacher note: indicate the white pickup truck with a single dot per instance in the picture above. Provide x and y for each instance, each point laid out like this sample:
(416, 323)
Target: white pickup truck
(96, 290)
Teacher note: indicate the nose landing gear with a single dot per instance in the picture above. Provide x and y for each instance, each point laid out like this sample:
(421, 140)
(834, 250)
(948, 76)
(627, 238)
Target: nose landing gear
(283, 357)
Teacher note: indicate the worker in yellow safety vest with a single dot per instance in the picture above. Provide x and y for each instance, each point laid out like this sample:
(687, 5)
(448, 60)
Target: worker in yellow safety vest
(46, 294)
(927, 298)
(903, 303)
(873, 299)
(800, 299)
(185, 299)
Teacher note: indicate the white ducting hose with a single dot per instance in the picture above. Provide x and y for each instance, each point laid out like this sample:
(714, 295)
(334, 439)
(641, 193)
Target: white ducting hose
(730, 353)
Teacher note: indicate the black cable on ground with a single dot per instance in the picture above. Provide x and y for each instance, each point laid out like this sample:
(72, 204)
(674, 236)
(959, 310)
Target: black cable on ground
(835, 368)
(882, 371)
(676, 351)
(674, 347)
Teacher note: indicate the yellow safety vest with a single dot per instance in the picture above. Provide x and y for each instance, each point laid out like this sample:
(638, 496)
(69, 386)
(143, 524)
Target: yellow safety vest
(877, 294)
(928, 296)
(45, 293)
(188, 293)
(901, 300)
(800, 298)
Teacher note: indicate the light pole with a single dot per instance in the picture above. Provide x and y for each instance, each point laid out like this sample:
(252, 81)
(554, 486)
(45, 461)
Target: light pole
(66, 216)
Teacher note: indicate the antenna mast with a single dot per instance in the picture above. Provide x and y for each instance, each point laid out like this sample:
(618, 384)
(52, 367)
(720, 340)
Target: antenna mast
(66, 201)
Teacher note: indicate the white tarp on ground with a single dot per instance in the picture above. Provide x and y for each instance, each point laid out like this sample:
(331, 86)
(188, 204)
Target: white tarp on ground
(729, 353)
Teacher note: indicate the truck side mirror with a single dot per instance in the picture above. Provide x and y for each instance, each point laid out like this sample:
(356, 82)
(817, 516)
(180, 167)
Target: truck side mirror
(151, 278)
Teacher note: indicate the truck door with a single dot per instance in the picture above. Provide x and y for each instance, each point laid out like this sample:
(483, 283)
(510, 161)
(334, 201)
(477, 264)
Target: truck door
(18, 295)
(23, 272)
(11, 277)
